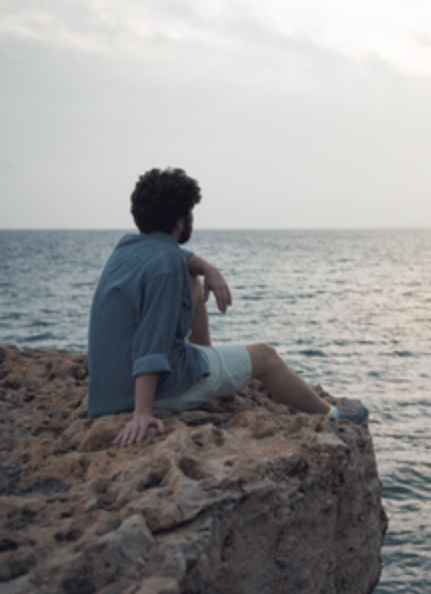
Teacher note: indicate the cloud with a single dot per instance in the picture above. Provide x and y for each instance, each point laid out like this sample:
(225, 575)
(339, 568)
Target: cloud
(205, 33)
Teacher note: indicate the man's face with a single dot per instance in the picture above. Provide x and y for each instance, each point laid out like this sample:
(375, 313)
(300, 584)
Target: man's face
(186, 232)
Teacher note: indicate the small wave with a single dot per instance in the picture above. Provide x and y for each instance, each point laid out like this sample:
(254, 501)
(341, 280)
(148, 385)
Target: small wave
(36, 337)
(13, 315)
(79, 285)
(403, 353)
(39, 324)
(313, 353)
(396, 492)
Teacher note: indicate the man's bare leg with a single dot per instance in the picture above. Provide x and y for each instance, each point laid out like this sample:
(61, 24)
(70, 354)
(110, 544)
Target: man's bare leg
(200, 331)
(282, 382)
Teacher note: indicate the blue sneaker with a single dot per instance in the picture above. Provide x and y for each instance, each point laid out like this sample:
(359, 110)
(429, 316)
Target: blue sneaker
(357, 415)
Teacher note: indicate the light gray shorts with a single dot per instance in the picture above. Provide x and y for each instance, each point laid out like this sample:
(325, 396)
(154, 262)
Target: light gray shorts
(230, 370)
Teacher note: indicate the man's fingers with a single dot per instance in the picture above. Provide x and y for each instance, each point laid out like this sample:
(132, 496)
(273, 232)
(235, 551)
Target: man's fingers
(129, 433)
(136, 429)
(123, 436)
(221, 305)
(223, 298)
(227, 296)
(127, 438)
(142, 430)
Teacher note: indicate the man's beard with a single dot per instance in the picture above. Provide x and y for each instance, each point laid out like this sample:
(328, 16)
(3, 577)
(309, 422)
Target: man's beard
(186, 233)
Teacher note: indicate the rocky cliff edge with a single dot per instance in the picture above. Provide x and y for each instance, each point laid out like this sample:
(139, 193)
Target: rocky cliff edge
(243, 496)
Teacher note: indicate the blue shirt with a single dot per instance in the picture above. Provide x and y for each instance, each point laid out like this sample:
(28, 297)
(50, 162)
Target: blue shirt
(141, 314)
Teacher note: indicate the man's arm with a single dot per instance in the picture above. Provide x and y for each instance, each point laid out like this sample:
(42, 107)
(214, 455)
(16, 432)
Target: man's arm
(145, 389)
(213, 281)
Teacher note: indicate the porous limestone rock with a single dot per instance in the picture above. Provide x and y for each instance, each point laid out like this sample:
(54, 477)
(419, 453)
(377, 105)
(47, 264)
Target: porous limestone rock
(243, 496)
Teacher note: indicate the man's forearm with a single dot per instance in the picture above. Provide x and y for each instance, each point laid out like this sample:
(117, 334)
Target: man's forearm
(145, 390)
(198, 266)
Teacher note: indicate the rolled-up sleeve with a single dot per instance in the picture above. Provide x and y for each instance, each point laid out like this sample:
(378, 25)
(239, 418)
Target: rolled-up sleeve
(186, 253)
(157, 323)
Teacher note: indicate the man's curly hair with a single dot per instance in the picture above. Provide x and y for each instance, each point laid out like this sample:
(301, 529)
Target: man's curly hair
(161, 198)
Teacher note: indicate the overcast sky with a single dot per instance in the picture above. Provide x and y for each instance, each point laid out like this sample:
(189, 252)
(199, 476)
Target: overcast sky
(291, 114)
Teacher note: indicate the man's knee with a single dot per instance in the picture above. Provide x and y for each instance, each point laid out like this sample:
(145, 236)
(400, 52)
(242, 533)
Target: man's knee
(263, 358)
(200, 333)
(197, 289)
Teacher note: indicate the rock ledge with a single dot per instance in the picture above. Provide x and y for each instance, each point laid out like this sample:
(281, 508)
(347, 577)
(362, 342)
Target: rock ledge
(241, 496)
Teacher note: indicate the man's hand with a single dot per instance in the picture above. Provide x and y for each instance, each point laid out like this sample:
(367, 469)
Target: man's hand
(135, 429)
(214, 281)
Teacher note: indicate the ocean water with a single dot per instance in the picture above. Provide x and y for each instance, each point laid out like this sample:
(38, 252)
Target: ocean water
(350, 310)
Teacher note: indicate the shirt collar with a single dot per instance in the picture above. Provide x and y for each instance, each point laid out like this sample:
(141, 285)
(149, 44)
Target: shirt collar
(162, 236)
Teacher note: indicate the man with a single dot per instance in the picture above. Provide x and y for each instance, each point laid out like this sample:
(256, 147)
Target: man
(149, 340)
